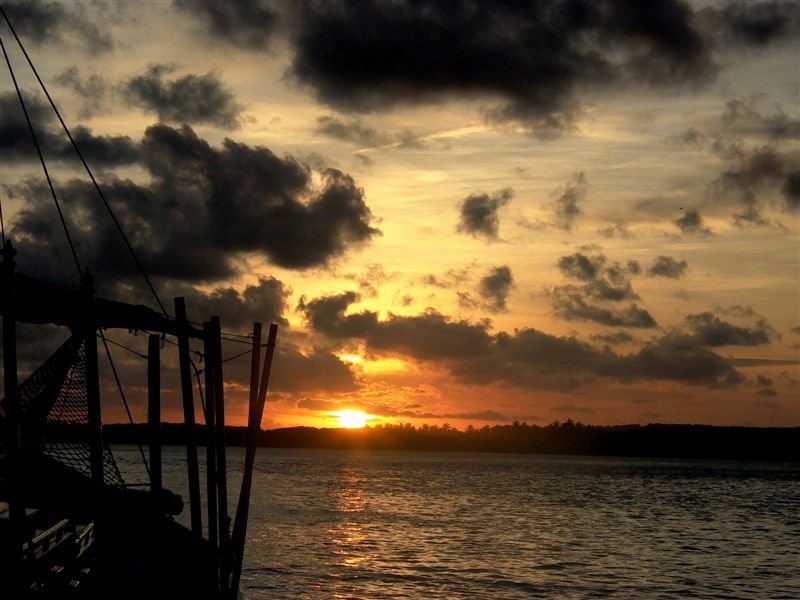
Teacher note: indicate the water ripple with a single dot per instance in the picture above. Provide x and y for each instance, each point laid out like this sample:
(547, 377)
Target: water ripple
(338, 524)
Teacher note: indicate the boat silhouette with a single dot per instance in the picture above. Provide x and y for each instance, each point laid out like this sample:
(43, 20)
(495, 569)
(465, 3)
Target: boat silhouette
(70, 524)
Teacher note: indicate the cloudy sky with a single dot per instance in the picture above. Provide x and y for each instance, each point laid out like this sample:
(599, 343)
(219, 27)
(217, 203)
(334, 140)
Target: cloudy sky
(458, 212)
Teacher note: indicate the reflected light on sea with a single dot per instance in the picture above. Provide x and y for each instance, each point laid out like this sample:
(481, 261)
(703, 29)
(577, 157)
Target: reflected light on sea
(351, 544)
(353, 524)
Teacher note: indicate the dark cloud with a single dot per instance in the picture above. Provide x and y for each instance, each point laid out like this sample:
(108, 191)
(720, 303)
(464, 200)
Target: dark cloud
(744, 118)
(316, 370)
(478, 213)
(465, 300)
(384, 410)
(527, 358)
(355, 132)
(689, 137)
(603, 290)
(427, 336)
(532, 56)
(495, 287)
(189, 99)
(450, 279)
(692, 223)
(42, 22)
(634, 268)
(533, 358)
(762, 163)
(710, 330)
(757, 23)
(17, 145)
(618, 337)
(679, 358)
(737, 310)
(202, 208)
(535, 60)
(754, 172)
(666, 266)
(314, 404)
(369, 281)
(617, 230)
(567, 209)
(763, 380)
(795, 330)
(601, 282)
(580, 266)
(264, 302)
(480, 415)
(295, 370)
(351, 131)
(572, 305)
(248, 24)
(91, 89)
(791, 191)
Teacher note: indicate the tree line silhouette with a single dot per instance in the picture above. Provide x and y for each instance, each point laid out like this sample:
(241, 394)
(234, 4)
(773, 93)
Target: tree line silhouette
(568, 437)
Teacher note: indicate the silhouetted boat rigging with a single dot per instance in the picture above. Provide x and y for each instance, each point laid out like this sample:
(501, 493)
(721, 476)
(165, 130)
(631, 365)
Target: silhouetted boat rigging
(70, 525)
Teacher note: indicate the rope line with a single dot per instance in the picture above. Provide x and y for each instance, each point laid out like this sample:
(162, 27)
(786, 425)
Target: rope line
(200, 390)
(39, 152)
(124, 399)
(82, 159)
(124, 347)
(2, 221)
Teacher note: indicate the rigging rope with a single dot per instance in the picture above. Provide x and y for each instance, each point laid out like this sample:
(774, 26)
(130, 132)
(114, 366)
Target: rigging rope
(39, 152)
(82, 159)
(124, 347)
(2, 221)
(122, 394)
(200, 390)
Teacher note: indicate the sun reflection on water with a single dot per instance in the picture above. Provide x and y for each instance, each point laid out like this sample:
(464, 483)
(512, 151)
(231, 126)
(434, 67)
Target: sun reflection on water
(351, 544)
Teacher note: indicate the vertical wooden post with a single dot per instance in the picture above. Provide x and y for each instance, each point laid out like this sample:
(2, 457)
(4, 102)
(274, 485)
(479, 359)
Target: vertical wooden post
(188, 417)
(92, 381)
(253, 428)
(211, 445)
(11, 547)
(219, 400)
(154, 410)
(255, 363)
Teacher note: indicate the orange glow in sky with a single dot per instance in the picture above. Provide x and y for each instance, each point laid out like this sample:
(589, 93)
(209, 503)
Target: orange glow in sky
(462, 249)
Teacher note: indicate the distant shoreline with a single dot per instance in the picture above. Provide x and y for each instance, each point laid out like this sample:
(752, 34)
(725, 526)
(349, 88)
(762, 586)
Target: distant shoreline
(569, 438)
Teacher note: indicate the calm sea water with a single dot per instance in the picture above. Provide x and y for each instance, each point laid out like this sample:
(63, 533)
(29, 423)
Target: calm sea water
(360, 524)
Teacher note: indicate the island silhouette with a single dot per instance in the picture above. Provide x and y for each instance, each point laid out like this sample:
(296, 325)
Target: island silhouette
(568, 437)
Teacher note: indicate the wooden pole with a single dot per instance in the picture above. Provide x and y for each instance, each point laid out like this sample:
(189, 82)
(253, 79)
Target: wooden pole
(92, 381)
(255, 362)
(154, 410)
(211, 445)
(188, 417)
(219, 431)
(253, 428)
(11, 547)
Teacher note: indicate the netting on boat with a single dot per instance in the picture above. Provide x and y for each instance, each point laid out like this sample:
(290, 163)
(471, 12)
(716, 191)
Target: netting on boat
(54, 411)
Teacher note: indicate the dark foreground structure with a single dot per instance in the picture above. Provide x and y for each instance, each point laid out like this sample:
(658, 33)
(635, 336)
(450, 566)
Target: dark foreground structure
(70, 525)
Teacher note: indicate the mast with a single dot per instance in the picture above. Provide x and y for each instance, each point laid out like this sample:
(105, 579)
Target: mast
(188, 418)
(92, 381)
(211, 446)
(11, 548)
(154, 410)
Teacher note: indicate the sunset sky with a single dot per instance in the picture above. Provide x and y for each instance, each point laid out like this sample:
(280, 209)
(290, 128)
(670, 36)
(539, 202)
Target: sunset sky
(457, 212)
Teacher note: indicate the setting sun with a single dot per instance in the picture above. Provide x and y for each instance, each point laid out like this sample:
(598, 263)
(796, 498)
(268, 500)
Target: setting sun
(351, 419)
